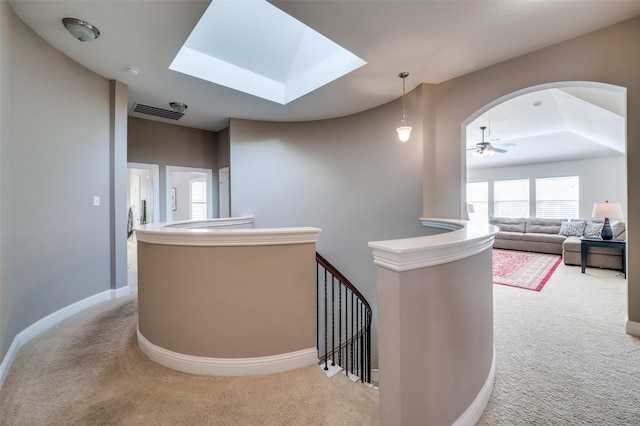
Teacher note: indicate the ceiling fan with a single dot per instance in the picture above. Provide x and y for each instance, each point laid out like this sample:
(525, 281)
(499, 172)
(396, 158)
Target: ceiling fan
(485, 149)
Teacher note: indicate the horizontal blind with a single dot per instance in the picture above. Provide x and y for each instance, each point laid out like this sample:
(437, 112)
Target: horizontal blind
(511, 198)
(478, 197)
(558, 197)
(198, 199)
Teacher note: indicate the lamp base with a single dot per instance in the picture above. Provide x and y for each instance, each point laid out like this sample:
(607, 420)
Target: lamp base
(607, 232)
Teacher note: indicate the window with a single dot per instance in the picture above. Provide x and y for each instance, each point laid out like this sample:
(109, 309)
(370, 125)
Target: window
(198, 197)
(478, 198)
(558, 197)
(511, 198)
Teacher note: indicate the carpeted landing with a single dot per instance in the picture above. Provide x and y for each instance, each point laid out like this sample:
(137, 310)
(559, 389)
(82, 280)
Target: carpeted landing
(88, 370)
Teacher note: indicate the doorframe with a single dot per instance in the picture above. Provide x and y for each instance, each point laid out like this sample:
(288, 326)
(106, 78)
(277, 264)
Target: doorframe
(155, 179)
(169, 184)
(224, 193)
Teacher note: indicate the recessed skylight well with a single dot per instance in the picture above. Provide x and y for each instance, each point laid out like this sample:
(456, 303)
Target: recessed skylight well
(254, 47)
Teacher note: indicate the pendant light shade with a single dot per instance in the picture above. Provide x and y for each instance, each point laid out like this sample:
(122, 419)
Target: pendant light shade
(404, 131)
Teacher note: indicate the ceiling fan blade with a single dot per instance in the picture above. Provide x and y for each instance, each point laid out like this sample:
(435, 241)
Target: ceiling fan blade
(505, 144)
(499, 150)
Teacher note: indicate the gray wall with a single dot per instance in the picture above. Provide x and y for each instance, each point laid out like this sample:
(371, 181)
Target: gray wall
(350, 176)
(164, 144)
(55, 156)
(600, 179)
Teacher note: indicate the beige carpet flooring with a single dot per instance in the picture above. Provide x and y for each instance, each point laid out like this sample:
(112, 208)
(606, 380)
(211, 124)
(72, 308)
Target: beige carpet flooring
(563, 359)
(88, 370)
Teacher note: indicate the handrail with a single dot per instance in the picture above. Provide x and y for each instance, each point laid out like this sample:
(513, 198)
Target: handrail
(352, 315)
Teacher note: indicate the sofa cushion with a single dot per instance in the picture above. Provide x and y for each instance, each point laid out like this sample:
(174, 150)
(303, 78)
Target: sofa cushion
(506, 235)
(572, 244)
(543, 238)
(545, 226)
(574, 228)
(509, 224)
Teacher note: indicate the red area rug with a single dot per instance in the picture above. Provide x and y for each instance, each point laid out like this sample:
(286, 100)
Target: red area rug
(526, 270)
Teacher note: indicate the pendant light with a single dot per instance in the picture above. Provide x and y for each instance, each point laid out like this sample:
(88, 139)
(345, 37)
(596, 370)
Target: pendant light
(404, 131)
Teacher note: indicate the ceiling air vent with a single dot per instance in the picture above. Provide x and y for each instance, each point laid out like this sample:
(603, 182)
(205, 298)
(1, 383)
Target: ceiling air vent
(157, 112)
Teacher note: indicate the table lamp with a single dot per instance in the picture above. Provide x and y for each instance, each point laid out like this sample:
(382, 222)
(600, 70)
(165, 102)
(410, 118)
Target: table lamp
(607, 210)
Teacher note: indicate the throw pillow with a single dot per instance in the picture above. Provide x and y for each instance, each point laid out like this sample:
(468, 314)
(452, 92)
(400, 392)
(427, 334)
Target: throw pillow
(572, 229)
(592, 229)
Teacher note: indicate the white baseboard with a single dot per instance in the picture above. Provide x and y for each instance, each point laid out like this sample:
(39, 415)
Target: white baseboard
(51, 320)
(633, 328)
(206, 366)
(375, 375)
(473, 413)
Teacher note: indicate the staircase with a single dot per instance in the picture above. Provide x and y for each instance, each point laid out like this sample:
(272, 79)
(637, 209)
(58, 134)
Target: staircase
(344, 324)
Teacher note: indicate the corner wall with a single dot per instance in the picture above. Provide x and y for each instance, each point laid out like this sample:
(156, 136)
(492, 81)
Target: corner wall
(54, 158)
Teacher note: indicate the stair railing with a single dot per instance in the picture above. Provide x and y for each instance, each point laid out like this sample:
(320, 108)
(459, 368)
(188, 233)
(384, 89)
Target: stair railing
(344, 323)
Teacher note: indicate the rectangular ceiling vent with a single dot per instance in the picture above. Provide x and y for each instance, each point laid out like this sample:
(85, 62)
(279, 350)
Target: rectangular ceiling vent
(157, 112)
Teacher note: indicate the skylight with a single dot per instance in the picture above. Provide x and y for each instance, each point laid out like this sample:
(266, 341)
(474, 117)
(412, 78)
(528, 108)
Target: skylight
(254, 47)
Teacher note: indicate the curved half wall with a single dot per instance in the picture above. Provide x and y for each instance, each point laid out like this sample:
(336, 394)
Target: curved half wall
(221, 298)
(435, 322)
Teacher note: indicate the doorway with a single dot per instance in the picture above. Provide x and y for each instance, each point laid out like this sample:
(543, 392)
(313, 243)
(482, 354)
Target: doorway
(143, 206)
(189, 193)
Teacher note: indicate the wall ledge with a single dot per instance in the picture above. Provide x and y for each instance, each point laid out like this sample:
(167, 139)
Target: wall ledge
(206, 366)
(223, 232)
(463, 239)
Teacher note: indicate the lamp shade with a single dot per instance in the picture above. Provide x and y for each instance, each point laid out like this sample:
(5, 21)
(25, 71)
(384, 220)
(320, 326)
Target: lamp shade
(404, 133)
(607, 210)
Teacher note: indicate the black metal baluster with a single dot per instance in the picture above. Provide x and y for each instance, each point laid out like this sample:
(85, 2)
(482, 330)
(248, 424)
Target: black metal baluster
(361, 344)
(340, 324)
(333, 321)
(326, 352)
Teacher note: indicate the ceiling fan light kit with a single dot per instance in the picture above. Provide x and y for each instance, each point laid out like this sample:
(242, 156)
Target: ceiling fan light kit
(485, 149)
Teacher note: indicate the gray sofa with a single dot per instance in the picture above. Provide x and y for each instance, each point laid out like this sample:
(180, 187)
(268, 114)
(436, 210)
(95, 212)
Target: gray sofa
(544, 236)
(599, 257)
(531, 234)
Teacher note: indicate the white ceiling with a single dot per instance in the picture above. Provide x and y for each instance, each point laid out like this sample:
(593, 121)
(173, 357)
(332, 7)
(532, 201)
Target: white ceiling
(550, 125)
(432, 40)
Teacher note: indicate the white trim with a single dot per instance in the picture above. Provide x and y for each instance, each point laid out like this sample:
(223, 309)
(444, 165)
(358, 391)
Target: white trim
(51, 320)
(206, 366)
(375, 376)
(120, 292)
(633, 328)
(464, 239)
(223, 232)
(473, 413)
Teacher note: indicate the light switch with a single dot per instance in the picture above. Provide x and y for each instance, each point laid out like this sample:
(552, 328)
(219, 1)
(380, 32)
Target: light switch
(96, 201)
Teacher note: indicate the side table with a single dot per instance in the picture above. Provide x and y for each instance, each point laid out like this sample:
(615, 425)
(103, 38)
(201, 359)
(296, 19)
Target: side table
(598, 242)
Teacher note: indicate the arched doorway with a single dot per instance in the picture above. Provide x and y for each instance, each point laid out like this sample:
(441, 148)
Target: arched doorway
(560, 129)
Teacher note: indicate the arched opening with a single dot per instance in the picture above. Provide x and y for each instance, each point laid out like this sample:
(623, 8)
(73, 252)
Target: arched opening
(564, 130)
